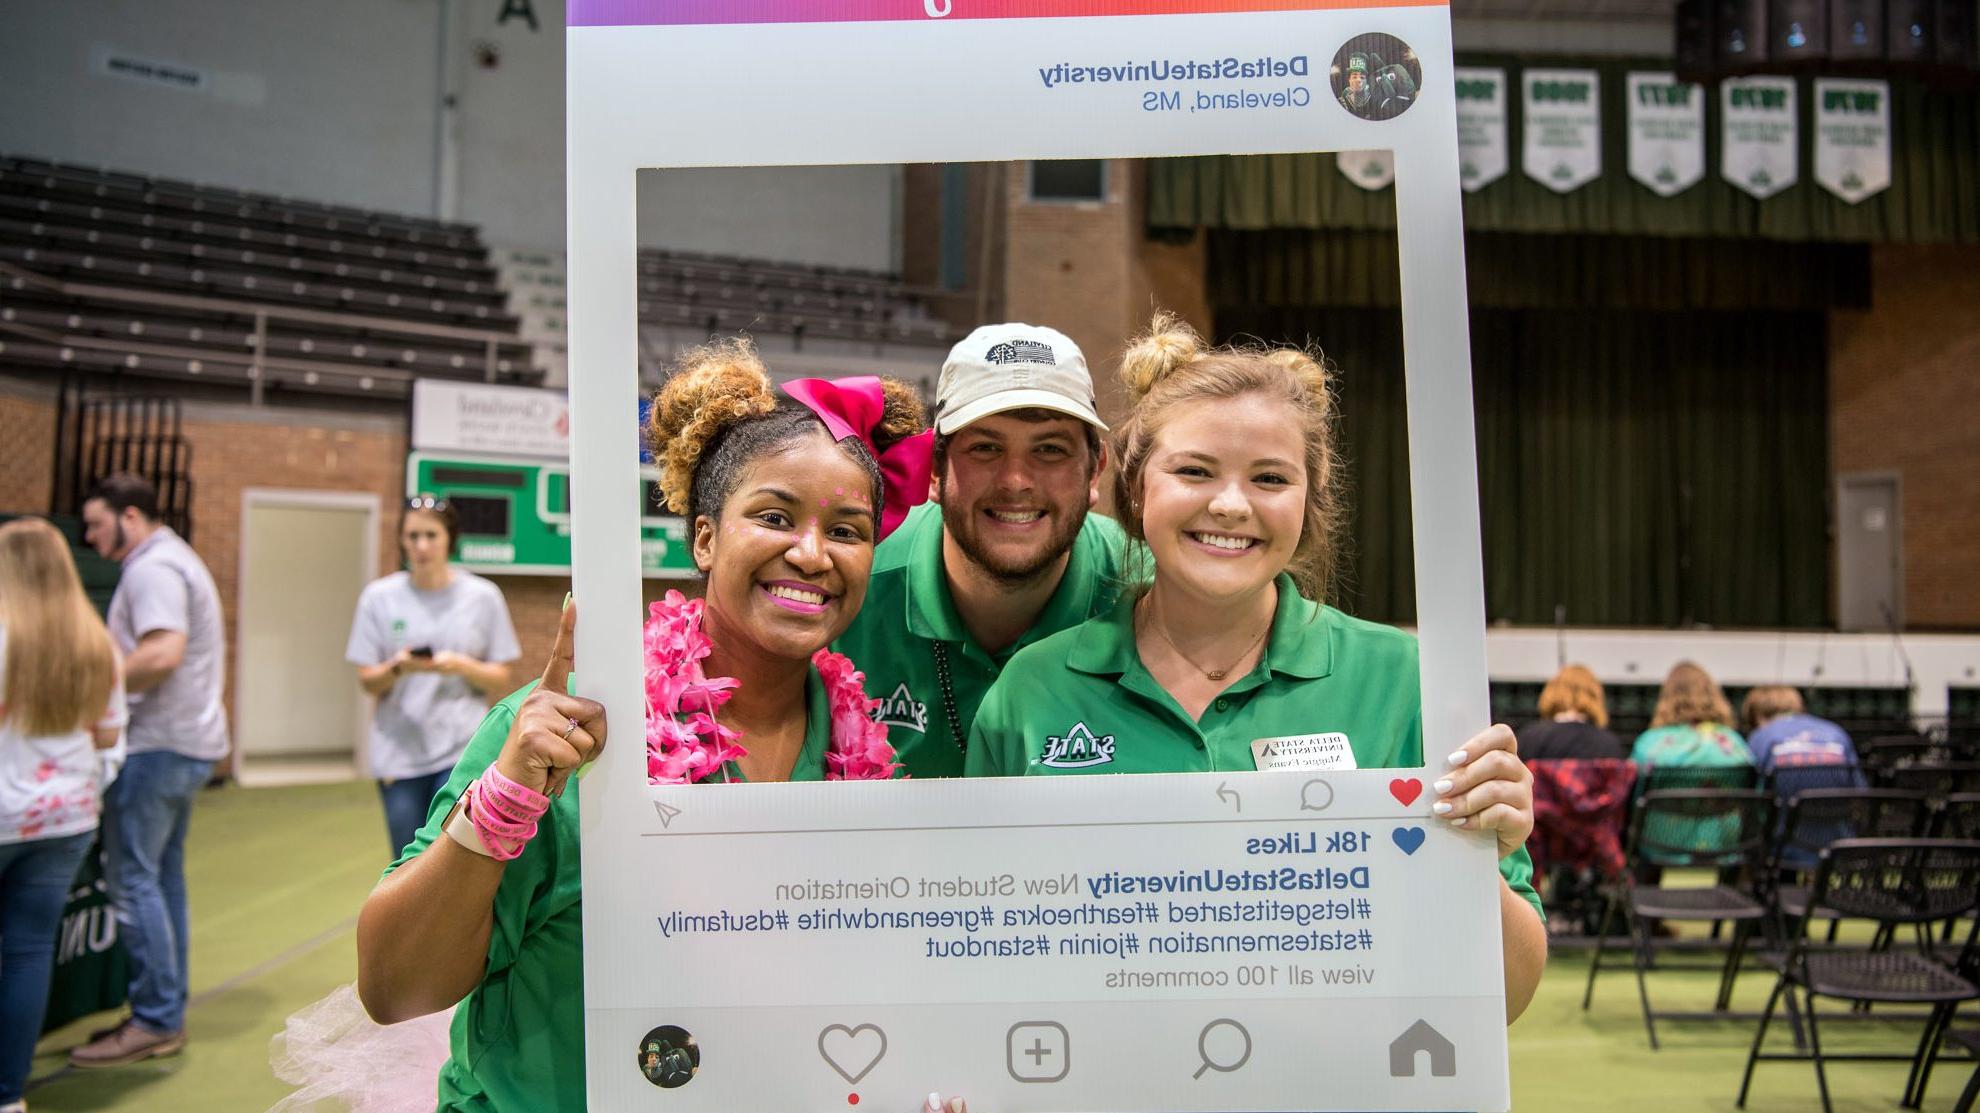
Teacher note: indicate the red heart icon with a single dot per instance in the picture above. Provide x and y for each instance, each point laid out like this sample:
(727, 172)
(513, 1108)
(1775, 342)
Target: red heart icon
(1406, 790)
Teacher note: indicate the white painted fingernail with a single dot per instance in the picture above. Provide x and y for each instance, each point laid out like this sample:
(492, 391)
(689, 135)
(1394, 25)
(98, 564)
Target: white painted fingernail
(934, 1103)
(1441, 807)
(1441, 787)
(1458, 758)
(956, 1105)
(1459, 821)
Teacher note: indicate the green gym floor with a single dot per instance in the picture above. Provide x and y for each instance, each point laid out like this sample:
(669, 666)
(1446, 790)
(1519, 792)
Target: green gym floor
(277, 875)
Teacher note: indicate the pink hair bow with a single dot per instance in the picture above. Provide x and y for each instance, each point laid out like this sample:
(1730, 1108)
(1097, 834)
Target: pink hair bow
(852, 407)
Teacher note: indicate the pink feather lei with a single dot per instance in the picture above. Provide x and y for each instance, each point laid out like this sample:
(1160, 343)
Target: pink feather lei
(684, 741)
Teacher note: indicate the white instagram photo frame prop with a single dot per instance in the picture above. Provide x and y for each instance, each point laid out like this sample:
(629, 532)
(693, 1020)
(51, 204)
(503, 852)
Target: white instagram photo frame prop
(708, 83)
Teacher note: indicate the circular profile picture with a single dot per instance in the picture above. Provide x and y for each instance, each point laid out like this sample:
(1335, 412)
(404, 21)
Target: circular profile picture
(669, 1057)
(1376, 76)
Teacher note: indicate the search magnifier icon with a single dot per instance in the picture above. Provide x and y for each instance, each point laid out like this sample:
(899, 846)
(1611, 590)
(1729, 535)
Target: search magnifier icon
(1223, 1063)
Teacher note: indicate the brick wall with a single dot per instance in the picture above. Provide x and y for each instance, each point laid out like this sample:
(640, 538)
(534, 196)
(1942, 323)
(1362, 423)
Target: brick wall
(1905, 396)
(1090, 271)
(27, 429)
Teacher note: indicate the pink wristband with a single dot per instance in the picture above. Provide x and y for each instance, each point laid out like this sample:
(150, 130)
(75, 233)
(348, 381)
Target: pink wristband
(503, 812)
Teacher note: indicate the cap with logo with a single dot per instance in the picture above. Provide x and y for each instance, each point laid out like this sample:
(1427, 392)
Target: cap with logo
(1013, 367)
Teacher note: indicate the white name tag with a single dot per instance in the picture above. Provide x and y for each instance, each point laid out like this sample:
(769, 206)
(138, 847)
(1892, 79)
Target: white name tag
(1303, 752)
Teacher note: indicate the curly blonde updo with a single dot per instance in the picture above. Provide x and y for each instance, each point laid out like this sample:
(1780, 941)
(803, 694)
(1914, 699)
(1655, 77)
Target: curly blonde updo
(718, 413)
(1170, 365)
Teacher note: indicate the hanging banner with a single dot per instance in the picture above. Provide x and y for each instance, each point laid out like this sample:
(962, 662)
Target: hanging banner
(1666, 132)
(1758, 150)
(1368, 169)
(1563, 122)
(1481, 113)
(1852, 137)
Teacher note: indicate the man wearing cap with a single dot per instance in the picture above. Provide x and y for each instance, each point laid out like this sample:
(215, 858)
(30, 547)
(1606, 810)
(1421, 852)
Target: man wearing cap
(1003, 554)
(1354, 98)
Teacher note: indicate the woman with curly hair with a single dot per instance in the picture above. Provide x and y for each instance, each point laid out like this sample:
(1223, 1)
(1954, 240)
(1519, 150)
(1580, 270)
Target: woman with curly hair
(786, 498)
(1692, 725)
(1227, 486)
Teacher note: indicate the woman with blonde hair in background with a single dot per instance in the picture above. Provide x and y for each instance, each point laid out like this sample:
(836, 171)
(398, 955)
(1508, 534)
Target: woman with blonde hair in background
(61, 700)
(1573, 722)
(1227, 484)
(1692, 725)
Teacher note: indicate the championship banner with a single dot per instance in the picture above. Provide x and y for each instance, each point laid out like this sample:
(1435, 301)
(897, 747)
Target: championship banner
(1666, 132)
(1759, 150)
(1370, 170)
(1481, 109)
(1212, 941)
(1852, 137)
(1563, 128)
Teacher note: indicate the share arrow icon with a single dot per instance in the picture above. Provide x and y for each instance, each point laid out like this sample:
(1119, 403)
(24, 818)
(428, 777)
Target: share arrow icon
(667, 813)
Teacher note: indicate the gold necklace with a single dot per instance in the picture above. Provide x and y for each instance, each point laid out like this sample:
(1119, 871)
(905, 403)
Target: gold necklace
(1211, 674)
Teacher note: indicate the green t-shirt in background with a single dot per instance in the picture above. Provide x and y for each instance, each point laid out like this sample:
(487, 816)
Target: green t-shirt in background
(1082, 702)
(518, 1037)
(908, 631)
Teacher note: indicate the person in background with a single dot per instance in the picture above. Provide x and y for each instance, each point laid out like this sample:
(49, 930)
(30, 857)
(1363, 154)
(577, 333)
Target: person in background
(433, 643)
(165, 619)
(1780, 733)
(1006, 552)
(61, 700)
(1692, 725)
(1573, 722)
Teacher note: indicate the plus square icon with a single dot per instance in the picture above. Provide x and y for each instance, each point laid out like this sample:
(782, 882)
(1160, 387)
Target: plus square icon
(1037, 1051)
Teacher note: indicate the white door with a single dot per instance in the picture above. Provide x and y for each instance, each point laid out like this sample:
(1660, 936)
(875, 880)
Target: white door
(305, 556)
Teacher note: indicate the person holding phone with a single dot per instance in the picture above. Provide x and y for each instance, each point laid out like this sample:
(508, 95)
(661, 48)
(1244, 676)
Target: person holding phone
(785, 499)
(1228, 488)
(433, 643)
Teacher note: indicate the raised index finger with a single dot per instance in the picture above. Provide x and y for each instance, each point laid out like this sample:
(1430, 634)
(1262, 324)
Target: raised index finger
(557, 673)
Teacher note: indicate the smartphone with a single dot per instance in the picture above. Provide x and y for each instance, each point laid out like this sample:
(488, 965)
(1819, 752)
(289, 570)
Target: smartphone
(421, 651)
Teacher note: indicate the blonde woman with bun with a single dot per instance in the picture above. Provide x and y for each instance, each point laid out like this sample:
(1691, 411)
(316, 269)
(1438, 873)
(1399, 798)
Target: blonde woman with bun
(786, 492)
(1228, 487)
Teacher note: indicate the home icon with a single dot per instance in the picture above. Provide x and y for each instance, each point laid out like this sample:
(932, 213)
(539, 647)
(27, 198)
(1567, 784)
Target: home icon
(1422, 1037)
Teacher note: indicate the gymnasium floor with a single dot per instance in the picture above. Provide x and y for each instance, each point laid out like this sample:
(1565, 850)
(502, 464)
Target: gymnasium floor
(277, 875)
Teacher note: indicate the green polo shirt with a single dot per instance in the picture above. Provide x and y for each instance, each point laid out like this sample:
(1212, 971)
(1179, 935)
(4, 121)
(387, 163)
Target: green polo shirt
(909, 629)
(518, 1037)
(1081, 702)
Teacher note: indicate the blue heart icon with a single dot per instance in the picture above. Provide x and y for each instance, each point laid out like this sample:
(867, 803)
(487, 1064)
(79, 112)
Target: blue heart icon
(1409, 838)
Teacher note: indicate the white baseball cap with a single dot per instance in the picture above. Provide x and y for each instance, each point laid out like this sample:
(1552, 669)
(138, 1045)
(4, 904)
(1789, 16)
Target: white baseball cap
(1013, 367)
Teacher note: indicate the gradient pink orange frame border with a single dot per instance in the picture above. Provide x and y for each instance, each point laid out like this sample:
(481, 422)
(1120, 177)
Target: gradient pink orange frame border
(650, 13)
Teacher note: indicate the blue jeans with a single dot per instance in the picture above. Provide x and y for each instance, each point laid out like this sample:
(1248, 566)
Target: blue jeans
(35, 877)
(406, 800)
(145, 815)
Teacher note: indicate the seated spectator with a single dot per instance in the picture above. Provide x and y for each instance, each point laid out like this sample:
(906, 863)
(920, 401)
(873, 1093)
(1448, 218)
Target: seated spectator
(1780, 733)
(1691, 726)
(1573, 723)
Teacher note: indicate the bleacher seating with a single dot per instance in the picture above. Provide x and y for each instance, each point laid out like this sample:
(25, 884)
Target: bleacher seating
(728, 294)
(144, 276)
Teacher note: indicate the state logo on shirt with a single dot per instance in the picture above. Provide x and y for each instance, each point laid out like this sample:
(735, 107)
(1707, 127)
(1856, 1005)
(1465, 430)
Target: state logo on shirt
(1078, 748)
(902, 710)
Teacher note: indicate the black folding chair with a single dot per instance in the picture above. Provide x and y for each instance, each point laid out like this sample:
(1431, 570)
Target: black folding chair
(1895, 882)
(1880, 756)
(1721, 829)
(1671, 778)
(1818, 817)
(1957, 817)
(1937, 778)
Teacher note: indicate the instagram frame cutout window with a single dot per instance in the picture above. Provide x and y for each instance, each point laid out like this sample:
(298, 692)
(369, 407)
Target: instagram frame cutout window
(713, 83)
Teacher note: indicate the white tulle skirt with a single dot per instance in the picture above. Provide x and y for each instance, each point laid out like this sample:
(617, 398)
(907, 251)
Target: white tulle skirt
(333, 1052)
